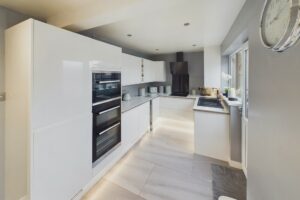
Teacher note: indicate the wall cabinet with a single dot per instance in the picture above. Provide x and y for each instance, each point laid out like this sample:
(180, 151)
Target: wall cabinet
(160, 71)
(131, 70)
(49, 130)
(149, 71)
(135, 123)
(136, 70)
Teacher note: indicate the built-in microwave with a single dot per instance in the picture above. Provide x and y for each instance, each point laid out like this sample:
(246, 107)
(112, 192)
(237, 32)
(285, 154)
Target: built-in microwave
(106, 86)
(106, 113)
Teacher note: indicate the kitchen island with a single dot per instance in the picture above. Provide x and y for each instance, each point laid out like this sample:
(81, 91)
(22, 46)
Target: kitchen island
(211, 128)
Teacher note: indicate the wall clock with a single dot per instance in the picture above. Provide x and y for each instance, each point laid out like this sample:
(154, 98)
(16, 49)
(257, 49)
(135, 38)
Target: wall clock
(280, 24)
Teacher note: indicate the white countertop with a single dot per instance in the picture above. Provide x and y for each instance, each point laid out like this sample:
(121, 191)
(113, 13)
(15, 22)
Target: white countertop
(139, 100)
(135, 101)
(210, 109)
(232, 103)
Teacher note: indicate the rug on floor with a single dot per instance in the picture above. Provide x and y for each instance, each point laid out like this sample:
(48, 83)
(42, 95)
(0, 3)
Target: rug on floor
(228, 182)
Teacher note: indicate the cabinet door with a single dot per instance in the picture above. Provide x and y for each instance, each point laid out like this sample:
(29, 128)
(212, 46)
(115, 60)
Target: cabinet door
(149, 71)
(143, 118)
(131, 70)
(62, 163)
(61, 115)
(160, 71)
(155, 111)
(129, 130)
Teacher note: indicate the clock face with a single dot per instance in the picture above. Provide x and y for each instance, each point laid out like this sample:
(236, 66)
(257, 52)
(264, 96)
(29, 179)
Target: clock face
(275, 21)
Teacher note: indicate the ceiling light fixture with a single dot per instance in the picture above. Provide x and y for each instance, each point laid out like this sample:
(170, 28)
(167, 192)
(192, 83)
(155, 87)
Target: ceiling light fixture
(186, 24)
(156, 49)
(194, 45)
(129, 35)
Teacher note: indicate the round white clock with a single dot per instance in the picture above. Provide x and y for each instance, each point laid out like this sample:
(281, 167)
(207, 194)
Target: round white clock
(280, 24)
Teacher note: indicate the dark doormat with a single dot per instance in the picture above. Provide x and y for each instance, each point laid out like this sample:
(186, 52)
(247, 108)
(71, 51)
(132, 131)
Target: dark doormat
(228, 182)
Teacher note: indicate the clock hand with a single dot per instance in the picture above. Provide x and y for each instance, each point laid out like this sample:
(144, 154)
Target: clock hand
(277, 15)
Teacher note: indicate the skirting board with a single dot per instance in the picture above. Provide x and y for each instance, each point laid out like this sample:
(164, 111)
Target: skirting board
(235, 164)
(24, 198)
(101, 174)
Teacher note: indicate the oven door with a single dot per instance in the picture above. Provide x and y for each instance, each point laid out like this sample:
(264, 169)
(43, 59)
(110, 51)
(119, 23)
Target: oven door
(105, 115)
(106, 140)
(106, 86)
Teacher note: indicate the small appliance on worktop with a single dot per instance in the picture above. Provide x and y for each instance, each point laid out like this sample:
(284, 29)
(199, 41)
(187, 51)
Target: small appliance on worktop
(106, 112)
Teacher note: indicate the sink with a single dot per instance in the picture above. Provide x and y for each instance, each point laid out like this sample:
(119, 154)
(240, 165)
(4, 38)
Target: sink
(210, 102)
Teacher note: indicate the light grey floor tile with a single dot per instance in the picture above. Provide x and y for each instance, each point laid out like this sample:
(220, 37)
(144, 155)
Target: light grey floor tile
(162, 166)
(166, 184)
(131, 173)
(106, 190)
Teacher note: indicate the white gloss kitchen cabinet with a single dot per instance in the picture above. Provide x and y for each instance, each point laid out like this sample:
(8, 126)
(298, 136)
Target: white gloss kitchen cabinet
(135, 123)
(149, 70)
(48, 120)
(131, 69)
(160, 71)
(154, 71)
(136, 70)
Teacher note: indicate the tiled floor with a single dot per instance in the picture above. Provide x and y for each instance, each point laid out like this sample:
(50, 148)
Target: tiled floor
(161, 166)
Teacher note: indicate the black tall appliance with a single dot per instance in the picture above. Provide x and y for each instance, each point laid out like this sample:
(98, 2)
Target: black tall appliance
(180, 76)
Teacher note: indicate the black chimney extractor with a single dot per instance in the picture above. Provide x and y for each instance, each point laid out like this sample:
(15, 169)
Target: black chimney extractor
(180, 76)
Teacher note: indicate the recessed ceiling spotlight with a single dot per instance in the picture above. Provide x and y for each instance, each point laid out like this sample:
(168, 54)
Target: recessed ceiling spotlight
(129, 35)
(186, 24)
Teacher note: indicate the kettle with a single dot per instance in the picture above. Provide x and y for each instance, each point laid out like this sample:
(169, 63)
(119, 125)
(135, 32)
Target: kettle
(126, 97)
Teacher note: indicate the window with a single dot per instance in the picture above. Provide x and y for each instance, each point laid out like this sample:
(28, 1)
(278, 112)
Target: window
(239, 71)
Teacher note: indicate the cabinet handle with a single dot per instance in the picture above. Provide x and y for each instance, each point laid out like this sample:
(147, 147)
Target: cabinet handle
(110, 128)
(106, 101)
(114, 108)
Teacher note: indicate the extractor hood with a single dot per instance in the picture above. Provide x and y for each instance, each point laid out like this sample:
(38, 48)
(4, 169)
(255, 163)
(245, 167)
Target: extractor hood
(180, 66)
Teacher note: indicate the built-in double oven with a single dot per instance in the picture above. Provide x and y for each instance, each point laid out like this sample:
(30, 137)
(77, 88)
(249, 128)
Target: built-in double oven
(106, 113)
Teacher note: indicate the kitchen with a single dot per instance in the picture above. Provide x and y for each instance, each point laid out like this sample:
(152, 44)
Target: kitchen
(99, 106)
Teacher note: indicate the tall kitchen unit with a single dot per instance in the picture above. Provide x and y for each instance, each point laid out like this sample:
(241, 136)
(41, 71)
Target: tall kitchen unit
(48, 122)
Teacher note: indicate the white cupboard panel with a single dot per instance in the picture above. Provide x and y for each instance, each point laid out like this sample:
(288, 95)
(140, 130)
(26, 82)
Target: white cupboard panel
(131, 70)
(129, 130)
(62, 82)
(149, 71)
(135, 123)
(143, 119)
(62, 159)
(155, 111)
(180, 109)
(212, 135)
(160, 71)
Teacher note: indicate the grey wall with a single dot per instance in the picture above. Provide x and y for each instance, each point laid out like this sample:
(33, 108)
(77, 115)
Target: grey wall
(7, 19)
(274, 136)
(196, 67)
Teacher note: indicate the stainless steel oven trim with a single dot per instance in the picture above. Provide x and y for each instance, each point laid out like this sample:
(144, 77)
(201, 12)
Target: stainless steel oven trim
(106, 101)
(108, 129)
(108, 110)
(115, 81)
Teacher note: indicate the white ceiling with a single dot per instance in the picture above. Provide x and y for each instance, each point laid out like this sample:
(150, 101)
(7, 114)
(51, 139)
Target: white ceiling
(210, 21)
(42, 9)
(154, 24)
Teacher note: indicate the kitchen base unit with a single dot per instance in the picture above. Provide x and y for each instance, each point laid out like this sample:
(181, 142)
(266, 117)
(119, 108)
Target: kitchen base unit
(212, 134)
(48, 118)
(135, 123)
